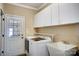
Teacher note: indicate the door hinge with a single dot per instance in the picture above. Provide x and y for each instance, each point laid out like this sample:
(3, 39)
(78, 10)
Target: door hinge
(2, 51)
(3, 19)
(3, 35)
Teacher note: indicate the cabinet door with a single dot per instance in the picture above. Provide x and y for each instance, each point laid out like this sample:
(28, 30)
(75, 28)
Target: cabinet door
(55, 15)
(43, 18)
(36, 21)
(69, 13)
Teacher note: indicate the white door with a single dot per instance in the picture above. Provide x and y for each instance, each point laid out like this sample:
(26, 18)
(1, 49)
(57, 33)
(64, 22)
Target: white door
(55, 14)
(43, 18)
(69, 13)
(14, 39)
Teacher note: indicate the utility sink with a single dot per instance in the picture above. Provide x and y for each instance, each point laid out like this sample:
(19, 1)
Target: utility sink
(62, 46)
(61, 49)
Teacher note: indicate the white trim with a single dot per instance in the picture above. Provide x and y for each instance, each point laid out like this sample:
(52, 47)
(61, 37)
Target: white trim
(20, 5)
(42, 6)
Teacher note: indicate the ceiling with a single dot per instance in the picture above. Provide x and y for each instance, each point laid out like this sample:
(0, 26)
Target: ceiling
(34, 6)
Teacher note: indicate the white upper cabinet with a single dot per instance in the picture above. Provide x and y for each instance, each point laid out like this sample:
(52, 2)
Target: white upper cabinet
(36, 21)
(43, 18)
(55, 15)
(68, 13)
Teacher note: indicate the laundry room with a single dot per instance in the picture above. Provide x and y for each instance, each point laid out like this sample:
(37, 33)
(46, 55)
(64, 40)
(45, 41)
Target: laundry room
(39, 29)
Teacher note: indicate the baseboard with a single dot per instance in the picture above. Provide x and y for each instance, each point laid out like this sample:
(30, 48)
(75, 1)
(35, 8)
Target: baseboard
(22, 54)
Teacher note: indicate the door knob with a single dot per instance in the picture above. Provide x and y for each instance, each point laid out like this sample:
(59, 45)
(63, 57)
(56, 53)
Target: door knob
(22, 37)
(18, 34)
(21, 34)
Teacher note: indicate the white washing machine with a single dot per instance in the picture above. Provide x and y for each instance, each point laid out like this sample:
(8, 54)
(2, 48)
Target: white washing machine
(38, 46)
